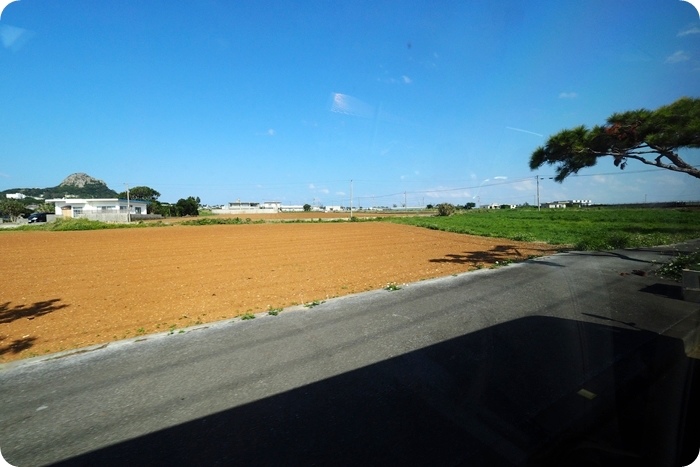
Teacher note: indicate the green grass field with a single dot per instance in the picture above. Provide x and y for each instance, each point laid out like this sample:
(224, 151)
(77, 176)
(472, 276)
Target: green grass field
(580, 229)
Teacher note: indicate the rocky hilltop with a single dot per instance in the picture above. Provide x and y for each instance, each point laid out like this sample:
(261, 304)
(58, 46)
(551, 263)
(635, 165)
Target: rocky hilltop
(77, 185)
(80, 180)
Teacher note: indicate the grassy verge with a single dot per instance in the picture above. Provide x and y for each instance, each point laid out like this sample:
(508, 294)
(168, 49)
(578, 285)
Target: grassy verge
(60, 225)
(580, 229)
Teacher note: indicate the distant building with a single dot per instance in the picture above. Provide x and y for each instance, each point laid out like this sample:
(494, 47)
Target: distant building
(15, 196)
(292, 208)
(250, 207)
(101, 209)
(576, 202)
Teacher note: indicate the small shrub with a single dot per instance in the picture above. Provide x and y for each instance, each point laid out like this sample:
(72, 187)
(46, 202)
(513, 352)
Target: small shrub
(445, 209)
(248, 316)
(274, 311)
(674, 268)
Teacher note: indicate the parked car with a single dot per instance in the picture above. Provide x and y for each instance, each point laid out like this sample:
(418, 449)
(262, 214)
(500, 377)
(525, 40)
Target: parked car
(37, 217)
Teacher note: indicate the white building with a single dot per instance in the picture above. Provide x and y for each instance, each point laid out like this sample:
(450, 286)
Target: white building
(249, 207)
(101, 209)
(15, 196)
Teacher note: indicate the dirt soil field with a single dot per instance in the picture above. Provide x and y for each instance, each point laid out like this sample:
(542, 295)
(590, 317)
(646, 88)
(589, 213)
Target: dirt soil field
(66, 290)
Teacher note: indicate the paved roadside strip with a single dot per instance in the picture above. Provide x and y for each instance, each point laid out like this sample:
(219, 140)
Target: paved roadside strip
(562, 356)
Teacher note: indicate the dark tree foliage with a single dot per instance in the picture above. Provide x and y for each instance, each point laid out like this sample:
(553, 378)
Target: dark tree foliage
(651, 137)
(188, 207)
(12, 208)
(141, 192)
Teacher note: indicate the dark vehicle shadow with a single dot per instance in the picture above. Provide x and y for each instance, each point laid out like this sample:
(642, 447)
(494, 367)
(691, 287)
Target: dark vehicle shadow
(532, 391)
(497, 253)
(10, 313)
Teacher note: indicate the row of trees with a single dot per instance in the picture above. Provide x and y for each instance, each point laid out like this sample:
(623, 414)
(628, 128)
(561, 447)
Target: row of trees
(184, 207)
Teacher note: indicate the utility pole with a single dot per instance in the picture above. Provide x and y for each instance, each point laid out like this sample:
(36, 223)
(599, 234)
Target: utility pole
(537, 177)
(128, 212)
(350, 199)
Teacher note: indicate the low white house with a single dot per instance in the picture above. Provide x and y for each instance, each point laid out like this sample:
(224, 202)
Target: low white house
(249, 207)
(102, 209)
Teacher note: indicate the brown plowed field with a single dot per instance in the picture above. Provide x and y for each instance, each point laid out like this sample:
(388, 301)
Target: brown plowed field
(65, 290)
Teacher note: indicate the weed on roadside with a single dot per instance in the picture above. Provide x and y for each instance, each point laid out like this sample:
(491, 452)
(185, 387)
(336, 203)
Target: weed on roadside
(503, 262)
(273, 311)
(392, 286)
(674, 269)
(313, 303)
(248, 316)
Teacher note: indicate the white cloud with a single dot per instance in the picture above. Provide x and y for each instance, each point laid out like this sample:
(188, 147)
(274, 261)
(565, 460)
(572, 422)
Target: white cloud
(271, 132)
(525, 131)
(406, 79)
(677, 57)
(312, 186)
(689, 31)
(568, 95)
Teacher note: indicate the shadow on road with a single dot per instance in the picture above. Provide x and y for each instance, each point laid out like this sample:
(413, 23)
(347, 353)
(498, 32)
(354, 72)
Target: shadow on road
(533, 391)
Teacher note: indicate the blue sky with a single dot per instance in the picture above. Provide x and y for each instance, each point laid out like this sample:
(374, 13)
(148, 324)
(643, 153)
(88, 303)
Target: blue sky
(289, 101)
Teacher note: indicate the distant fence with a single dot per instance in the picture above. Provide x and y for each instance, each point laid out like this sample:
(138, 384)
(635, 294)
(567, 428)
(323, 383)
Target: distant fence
(116, 217)
(102, 216)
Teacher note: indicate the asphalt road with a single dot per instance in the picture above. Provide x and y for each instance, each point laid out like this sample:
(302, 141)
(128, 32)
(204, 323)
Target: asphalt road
(555, 361)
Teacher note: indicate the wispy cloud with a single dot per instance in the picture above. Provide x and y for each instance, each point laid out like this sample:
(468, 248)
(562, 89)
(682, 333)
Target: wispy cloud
(677, 57)
(406, 79)
(442, 192)
(14, 38)
(568, 95)
(313, 187)
(349, 105)
(689, 31)
(524, 131)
